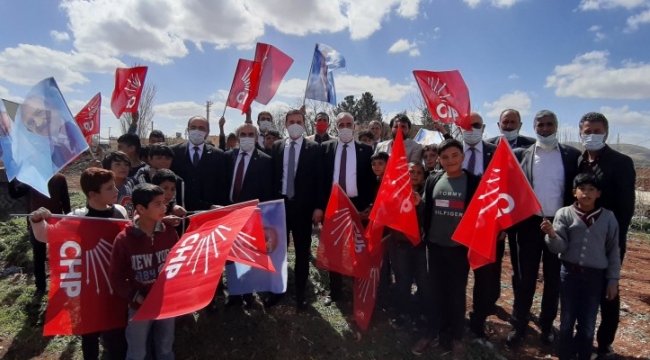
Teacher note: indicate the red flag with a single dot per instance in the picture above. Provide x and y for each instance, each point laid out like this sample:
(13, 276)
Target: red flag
(446, 96)
(128, 88)
(193, 268)
(394, 203)
(88, 118)
(244, 85)
(503, 198)
(365, 289)
(342, 244)
(81, 298)
(274, 65)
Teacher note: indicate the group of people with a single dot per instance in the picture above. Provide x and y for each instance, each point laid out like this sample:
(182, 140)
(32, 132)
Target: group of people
(587, 204)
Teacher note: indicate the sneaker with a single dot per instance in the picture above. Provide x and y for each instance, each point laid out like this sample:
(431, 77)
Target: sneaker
(423, 345)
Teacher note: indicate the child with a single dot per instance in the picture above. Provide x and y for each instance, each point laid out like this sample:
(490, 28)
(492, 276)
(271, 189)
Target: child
(378, 162)
(417, 176)
(99, 187)
(270, 137)
(147, 237)
(119, 163)
(446, 196)
(586, 238)
(160, 157)
(130, 145)
(167, 181)
(366, 137)
(430, 158)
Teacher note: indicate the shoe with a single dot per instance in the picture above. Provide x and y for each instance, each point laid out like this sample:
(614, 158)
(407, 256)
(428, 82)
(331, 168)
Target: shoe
(548, 337)
(605, 352)
(272, 300)
(423, 345)
(514, 338)
(458, 350)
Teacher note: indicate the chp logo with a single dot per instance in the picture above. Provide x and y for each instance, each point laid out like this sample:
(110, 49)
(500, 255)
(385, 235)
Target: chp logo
(196, 248)
(131, 89)
(444, 110)
(92, 264)
(246, 79)
(503, 202)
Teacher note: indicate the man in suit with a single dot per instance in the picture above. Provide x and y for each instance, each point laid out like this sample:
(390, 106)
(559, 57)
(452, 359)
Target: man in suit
(346, 162)
(487, 279)
(550, 167)
(322, 125)
(202, 167)
(617, 177)
(509, 124)
(377, 129)
(401, 125)
(297, 179)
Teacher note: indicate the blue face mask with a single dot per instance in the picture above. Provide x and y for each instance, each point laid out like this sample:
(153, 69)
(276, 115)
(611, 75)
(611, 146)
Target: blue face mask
(593, 142)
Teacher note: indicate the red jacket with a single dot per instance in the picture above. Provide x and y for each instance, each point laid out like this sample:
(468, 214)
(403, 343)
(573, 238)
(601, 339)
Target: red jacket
(137, 259)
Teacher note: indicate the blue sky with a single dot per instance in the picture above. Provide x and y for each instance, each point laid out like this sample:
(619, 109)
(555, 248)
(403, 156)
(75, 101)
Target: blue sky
(570, 57)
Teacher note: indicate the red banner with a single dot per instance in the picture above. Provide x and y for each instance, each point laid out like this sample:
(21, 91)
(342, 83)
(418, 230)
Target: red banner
(128, 88)
(342, 247)
(503, 198)
(193, 268)
(274, 65)
(244, 85)
(394, 203)
(446, 96)
(88, 118)
(81, 298)
(365, 289)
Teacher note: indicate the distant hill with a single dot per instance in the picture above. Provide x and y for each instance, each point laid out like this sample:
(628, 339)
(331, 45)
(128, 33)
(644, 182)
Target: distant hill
(640, 154)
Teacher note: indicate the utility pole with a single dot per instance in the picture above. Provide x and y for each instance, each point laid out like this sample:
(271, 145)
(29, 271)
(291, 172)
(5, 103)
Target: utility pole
(208, 104)
(109, 137)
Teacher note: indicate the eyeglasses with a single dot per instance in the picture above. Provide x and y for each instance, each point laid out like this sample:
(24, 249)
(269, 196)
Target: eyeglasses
(477, 126)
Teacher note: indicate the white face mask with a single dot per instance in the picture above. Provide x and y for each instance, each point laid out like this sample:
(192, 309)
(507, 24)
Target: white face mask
(197, 137)
(246, 144)
(510, 135)
(266, 125)
(547, 142)
(295, 131)
(593, 142)
(472, 136)
(346, 135)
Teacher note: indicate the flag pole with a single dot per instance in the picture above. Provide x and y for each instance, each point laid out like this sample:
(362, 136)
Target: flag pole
(309, 76)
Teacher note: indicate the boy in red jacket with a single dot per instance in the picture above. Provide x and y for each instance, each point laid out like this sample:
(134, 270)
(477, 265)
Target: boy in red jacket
(139, 253)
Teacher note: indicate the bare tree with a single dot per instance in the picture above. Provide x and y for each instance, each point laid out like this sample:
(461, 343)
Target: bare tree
(145, 109)
(426, 120)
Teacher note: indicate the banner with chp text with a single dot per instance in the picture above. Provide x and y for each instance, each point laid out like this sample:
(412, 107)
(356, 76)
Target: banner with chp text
(88, 118)
(129, 83)
(446, 96)
(244, 85)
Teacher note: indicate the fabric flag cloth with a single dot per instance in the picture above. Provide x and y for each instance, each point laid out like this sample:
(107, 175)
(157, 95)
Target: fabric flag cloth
(244, 85)
(446, 96)
(320, 83)
(88, 118)
(81, 298)
(342, 242)
(274, 65)
(244, 279)
(426, 137)
(191, 273)
(47, 136)
(503, 198)
(129, 83)
(5, 139)
(394, 206)
(365, 289)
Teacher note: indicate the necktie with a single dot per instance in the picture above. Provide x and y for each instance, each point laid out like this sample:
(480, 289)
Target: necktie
(239, 178)
(471, 164)
(343, 165)
(195, 157)
(291, 171)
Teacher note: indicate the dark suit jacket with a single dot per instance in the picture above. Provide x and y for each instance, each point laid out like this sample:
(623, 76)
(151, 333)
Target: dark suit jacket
(366, 179)
(488, 153)
(308, 178)
(258, 179)
(569, 161)
(522, 141)
(207, 184)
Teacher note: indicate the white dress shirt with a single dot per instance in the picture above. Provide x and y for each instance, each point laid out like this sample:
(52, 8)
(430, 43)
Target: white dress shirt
(548, 179)
(190, 148)
(285, 160)
(247, 160)
(350, 168)
(260, 140)
(479, 167)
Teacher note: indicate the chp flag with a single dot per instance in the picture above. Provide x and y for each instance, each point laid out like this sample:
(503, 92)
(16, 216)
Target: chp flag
(81, 299)
(88, 118)
(503, 198)
(244, 85)
(274, 64)
(446, 96)
(129, 83)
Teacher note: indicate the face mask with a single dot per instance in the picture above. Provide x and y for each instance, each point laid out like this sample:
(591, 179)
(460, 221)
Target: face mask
(197, 137)
(346, 135)
(266, 125)
(510, 135)
(295, 131)
(472, 136)
(246, 144)
(593, 142)
(547, 142)
(321, 127)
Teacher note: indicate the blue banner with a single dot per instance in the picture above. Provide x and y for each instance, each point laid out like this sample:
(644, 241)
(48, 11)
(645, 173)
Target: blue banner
(5, 140)
(320, 83)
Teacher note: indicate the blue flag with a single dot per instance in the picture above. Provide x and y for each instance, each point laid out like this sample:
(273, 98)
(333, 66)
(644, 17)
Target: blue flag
(320, 83)
(47, 136)
(243, 279)
(5, 140)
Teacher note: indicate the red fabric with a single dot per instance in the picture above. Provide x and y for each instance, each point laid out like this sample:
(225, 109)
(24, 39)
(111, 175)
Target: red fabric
(88, 118)
(446, 96)
(82, 299)
(274, 65)
(393, 206)
(342, 246)
(503, 198)
(365, 289)
(128, 88)
(244, 85)
(193, 268)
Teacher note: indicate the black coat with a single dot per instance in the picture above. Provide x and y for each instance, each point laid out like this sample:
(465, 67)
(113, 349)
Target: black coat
(258, 179)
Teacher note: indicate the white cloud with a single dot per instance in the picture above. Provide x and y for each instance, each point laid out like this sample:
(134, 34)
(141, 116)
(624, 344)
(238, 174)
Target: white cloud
(610, 4)
(4, 92)
(624, 116)
(29, 64)
(590, 77)
(472, 3)
(59, 35)
(504, 4)
(403, 45)
(598, 35)
(517, 100)
(634, 21)
(513, 76)
(594, 28)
